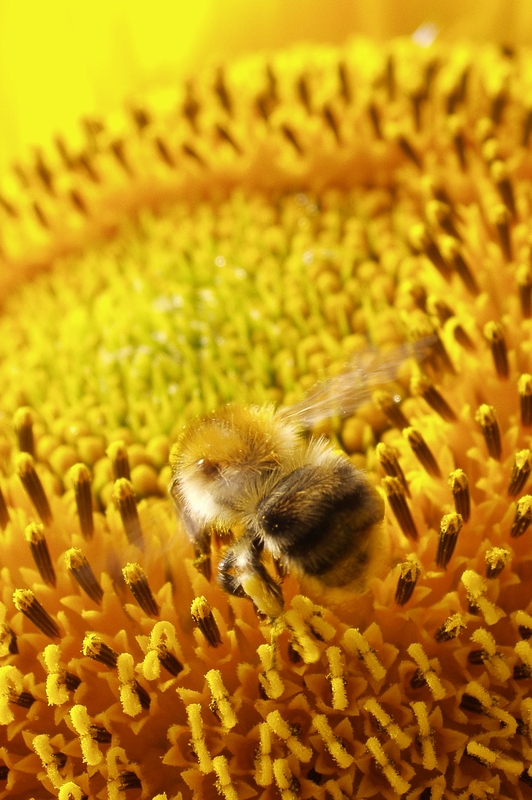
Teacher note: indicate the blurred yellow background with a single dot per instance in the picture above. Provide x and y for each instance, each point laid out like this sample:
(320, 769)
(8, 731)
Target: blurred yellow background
(60, 60)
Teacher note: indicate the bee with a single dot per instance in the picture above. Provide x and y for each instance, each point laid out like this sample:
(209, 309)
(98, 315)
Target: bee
(252, 474)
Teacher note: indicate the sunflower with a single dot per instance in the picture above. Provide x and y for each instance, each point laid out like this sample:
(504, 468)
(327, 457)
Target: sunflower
(238, 238)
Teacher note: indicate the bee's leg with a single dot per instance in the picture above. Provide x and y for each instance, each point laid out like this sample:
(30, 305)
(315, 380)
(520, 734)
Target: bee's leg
(242, 573)
(199, 535)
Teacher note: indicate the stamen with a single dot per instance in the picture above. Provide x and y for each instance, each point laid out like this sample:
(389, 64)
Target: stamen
(409, 573)
(287, 733)
(81, 570)
(463, 338)
(425, 736)
(124, 497)
(394, 491)
(524, 386)
(499, 175)
(494, 335)
(197, 742)
(23, 423)
(388, 459)
(291, 137)
(133, 697)
(81, 479)
(524, 651)
(203, 617)
(422, 242)
(89, 735)
(331, 742)
(487, 419)
(440, 214)
(25, 601)
(389, 406)
(460, 489)
(476, 589)
(286, 781)
(220, 704)
(52, 760)
(94, 647)
(501, 219)
(263, 759)
(34, 533)
(493, 759)
(451, 628)
(492, 659)
(385, 764)
(224, 784)
(336, 678)
(386, 723)
(422, 452)
(357, 645)
(270, 680)
(427, 670)
(524, 624)
(496, 559)
(409, 151)
(4, 513)
(421, 386)
(524, 285)
(135, 577)
(12, 692)
(221, 91)
(59, 682)
(301, 641)
(450, 527)
(375, 117)
(162, 641)
(8, 641)
(520, 472)
(523, 516)
(437, 307)
(25, 469)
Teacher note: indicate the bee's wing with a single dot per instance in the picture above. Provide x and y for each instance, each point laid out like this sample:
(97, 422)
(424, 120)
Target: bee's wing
(342, 394)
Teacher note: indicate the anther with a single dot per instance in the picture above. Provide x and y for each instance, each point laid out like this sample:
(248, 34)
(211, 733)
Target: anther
(118, 149)
(440, 308)
(499, 175)
(501, 219)
(375, 117)
(524, 624)
(487, 419)
(332, 122)
(408, 576)
(4, 513)
(426, 671)
(386, 723)
(496, 559)
(343, 77)
(463, 338)
(527, 128)
(26, 602)
(163, 151)
(488, 655)
(81, 571)
(25, 468)
(524, 387)
(409, 151)
(135, 577)
(203, 617)
(354, 641)
(8, 641)
(523, 516)
(420, 385)
(422, 242)
(34, 533)
(450, 527)
(224, 785)
(81, 479)
(422, 452)
(398, 784)
(451, 628)
(133, 695)
(162, 641)
(331, 742)
(124, 497)
(391, 408)
(494, 335)
(441, 215)
(337, 678)
(117, 454)
(396, 497)
(388, 459)
(460, 489)
(197, 742)
(476, 589)
(520, 472)
(524, 285)
(425, 736)
(288, 734)
(290, 136)
(94, 647)
(23, 423)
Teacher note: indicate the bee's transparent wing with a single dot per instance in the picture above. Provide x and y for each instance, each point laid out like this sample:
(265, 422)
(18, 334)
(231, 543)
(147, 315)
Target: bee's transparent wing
(342, 394)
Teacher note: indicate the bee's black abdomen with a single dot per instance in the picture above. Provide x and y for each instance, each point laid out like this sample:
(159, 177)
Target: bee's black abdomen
(318, 516)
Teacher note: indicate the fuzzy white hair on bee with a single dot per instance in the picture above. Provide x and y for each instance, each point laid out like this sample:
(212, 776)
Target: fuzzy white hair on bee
(249, 473)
